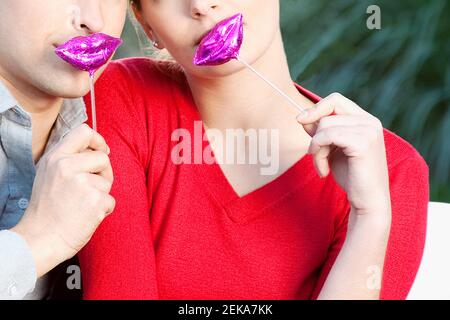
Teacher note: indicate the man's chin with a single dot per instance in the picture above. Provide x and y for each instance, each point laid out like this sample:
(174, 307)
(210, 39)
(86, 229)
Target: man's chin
(69, 87)
(70, 94)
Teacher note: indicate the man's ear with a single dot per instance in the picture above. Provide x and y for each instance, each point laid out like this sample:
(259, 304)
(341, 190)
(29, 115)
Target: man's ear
(147, 29)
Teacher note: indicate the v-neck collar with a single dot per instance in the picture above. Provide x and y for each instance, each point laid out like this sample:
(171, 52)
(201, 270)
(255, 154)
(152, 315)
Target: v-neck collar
(242, 209)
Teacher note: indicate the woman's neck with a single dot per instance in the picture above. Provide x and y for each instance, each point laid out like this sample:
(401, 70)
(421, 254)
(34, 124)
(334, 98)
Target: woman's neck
(242, 100)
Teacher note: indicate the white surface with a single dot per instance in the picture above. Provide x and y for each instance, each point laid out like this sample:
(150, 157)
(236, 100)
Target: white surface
(433, 279)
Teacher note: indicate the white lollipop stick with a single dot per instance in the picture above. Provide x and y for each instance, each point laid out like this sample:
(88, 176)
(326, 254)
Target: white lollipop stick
(292, 102)
(93, 108)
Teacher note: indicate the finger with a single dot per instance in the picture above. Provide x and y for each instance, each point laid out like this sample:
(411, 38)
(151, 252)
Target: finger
(82, 138)
(310, 128)
(321, 161)
(95, 162)
(99, 182)
(108, 204)
(335, 120)
(351, 139)
(346, 120)
(333, 104)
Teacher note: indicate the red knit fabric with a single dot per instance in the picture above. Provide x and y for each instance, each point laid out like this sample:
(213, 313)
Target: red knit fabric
(181, 232)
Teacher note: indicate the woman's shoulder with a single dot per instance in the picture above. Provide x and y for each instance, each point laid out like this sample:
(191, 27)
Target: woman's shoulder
(146, 84)
(401, 152)
(142, 87)
(143, 71)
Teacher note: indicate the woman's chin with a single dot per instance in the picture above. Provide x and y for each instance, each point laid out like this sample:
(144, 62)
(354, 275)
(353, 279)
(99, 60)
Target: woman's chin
(218, 71)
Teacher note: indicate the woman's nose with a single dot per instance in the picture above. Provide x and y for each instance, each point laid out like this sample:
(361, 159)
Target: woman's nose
(200, 8)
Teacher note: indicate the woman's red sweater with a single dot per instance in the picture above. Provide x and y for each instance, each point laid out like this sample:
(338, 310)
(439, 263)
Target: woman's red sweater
(180, 231)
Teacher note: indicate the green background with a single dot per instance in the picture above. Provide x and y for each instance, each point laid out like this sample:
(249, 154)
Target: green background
(400, 73)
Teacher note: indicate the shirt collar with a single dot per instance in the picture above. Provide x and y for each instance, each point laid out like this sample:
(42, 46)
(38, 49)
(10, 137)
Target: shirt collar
(72, 113)
(7, 101)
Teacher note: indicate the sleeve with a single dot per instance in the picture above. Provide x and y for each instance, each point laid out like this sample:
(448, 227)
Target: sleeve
(119, 261)
(17, 268)
(333, 251)
(409, 188)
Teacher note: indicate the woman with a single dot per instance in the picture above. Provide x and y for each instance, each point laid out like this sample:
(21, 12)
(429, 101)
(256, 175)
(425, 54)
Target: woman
(210, 230)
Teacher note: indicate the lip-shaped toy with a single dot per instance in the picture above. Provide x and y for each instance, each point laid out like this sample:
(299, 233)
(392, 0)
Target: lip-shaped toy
(222, 43)
(88, 53)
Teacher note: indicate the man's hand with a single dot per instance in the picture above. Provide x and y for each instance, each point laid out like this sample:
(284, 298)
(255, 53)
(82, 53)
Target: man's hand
(70, 198)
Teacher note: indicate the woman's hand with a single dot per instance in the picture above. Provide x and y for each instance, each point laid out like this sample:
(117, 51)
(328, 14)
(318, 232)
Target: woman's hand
(349, 141)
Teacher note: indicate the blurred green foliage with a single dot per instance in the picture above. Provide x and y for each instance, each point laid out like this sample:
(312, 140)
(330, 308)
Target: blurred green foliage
(400, 73)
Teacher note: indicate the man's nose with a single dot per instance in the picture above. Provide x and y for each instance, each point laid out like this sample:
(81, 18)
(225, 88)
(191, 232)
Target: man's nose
(89, 16)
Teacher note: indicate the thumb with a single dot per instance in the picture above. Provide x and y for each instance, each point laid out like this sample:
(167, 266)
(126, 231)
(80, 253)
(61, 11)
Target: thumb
(82, 138)
(310, 127)
(309, 123)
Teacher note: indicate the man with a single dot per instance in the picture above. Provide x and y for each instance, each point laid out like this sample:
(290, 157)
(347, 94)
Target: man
(55, 174)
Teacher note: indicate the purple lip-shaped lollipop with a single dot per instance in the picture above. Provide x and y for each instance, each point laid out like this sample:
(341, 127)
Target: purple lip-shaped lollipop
(222, 43)
(88, 53)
